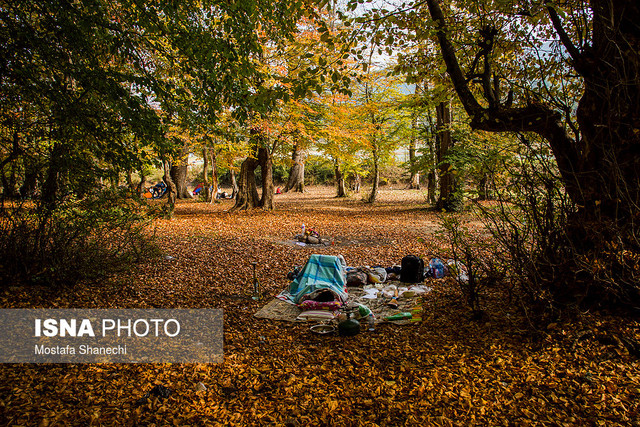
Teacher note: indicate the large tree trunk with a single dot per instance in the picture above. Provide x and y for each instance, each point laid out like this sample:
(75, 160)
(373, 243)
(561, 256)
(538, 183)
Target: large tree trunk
(448, 199)
(179, 169)
(609, 114)
(266, 166)
(296, 173)
(247, 196)
(341, 191)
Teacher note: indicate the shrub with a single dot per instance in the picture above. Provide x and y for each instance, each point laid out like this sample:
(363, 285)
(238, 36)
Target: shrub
(556, 259)
(79, 240)
(473, 264)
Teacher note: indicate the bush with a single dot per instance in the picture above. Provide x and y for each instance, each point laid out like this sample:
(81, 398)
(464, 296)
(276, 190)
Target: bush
(475, 264)
(79, 240)
(558, 259)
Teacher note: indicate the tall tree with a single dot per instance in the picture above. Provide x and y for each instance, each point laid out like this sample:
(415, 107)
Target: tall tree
(380, 101)
(448, 199)
(342, 138)
(598, 163)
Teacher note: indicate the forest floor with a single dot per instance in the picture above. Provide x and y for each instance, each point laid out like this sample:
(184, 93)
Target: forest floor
(446, 370)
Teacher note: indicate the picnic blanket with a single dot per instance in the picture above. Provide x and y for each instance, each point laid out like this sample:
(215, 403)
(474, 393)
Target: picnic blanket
(278, 309)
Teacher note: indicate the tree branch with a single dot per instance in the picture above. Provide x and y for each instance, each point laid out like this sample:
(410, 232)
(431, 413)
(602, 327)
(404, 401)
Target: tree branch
(469, 102)
(574, 52)
(536, 118)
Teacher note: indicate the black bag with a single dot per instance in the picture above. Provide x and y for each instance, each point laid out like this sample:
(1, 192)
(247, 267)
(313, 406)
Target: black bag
(412, 269)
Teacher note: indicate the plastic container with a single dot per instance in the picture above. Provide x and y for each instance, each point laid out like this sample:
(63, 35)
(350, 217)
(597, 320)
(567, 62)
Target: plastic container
(372, 322)
(437, 268)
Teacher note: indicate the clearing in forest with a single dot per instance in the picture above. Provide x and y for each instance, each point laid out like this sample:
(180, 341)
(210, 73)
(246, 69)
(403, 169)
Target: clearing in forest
(446, 370)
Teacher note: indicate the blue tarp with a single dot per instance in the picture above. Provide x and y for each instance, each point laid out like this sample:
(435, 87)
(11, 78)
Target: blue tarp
(320, 272)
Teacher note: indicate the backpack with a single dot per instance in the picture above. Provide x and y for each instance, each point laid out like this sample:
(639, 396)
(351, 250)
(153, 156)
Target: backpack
(412, 269)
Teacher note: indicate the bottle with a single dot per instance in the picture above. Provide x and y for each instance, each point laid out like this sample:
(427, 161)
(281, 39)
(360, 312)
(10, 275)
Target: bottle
(256, 284)
(399, 316)
(303, 229)
(371, 322)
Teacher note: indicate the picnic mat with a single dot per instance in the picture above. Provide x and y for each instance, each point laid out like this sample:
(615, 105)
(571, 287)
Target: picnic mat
(277, 309)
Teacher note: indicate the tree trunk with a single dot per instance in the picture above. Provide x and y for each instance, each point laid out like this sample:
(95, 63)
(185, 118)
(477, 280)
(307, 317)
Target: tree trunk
(432, 186)
(140, 189)
(247, 196)
(266, 166)
(609, 114)
(129, 177)
(484, 188)
(206, 190)
(234, 184)
(295, 182)
(448, 198)
(172, 191)
(414, 174)
(215, 185)
(9, 187)
(432, 177)
(376, 174)
(357, 182)
(179, 169)
(341, 191)
(30, 183)
(52, 187)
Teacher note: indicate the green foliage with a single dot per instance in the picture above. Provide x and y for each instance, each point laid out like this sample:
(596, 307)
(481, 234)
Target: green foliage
(80, 240)
(318, 170)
